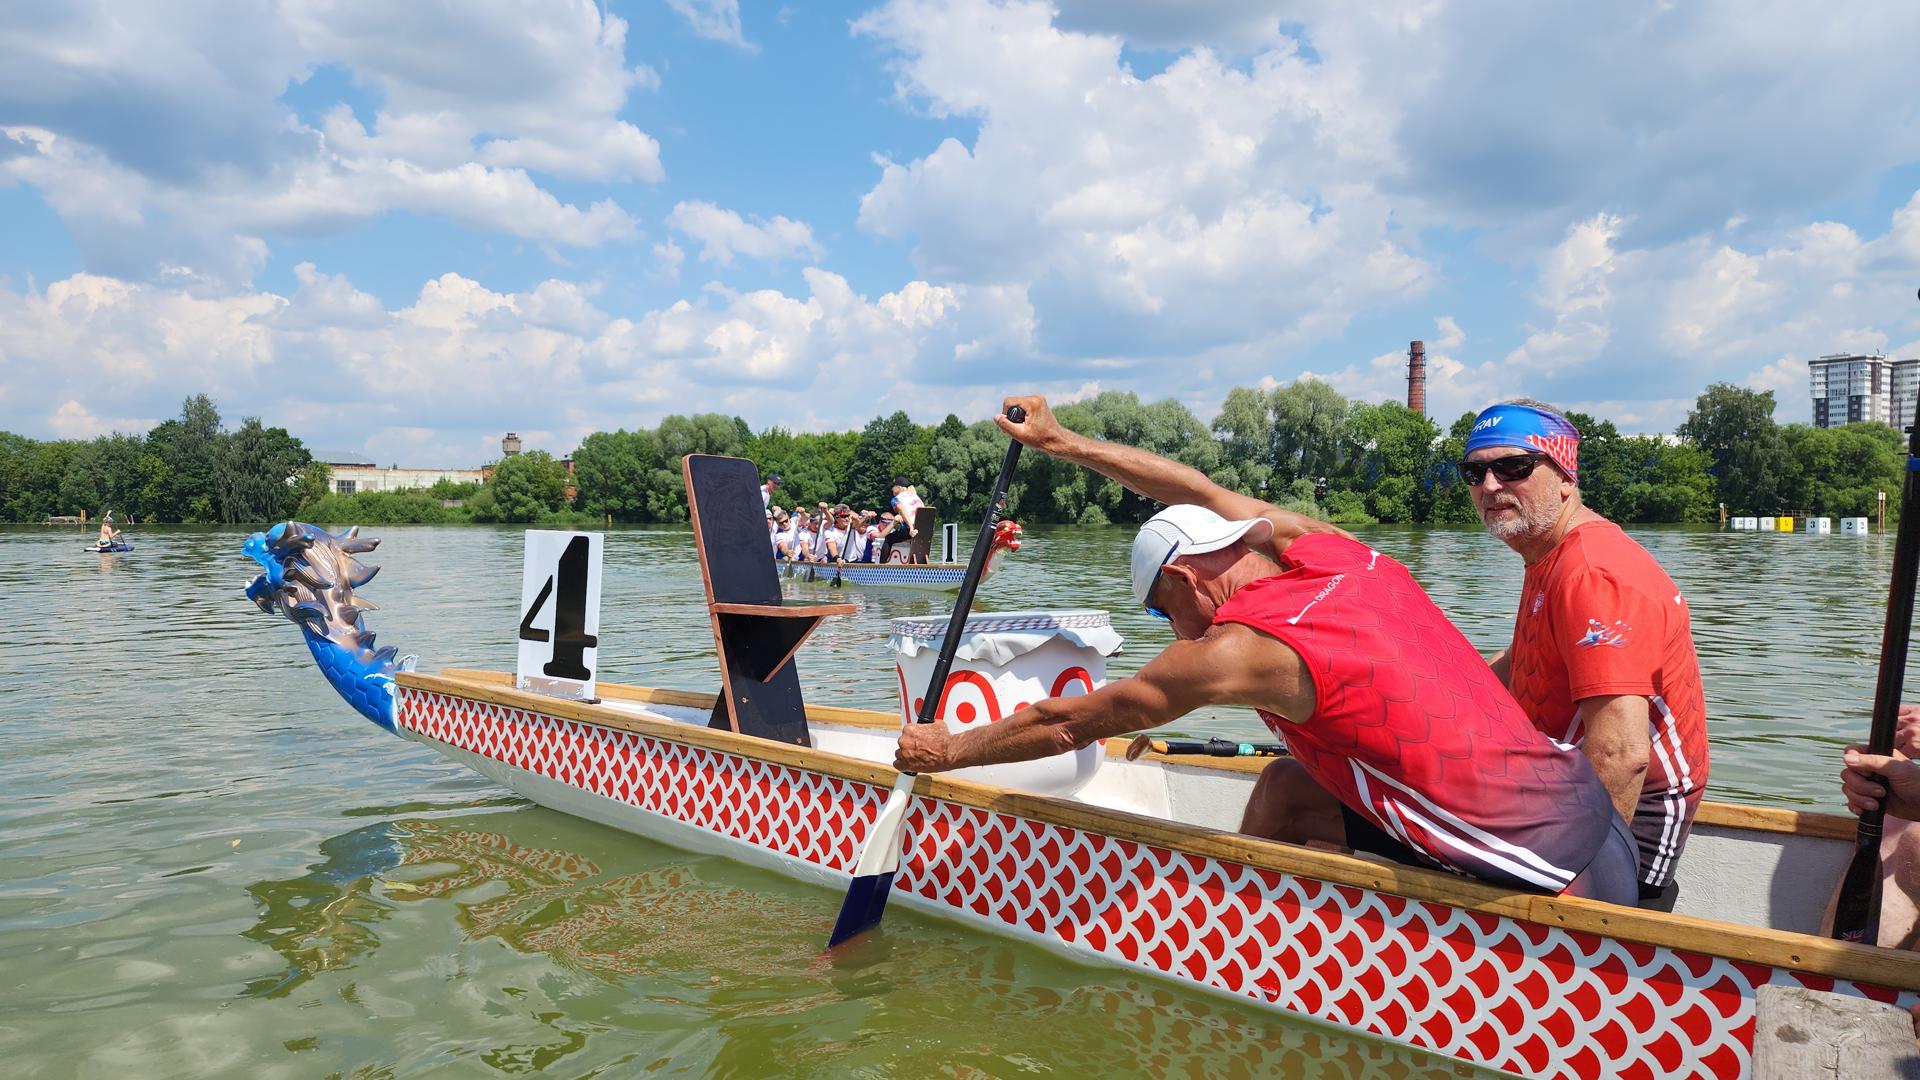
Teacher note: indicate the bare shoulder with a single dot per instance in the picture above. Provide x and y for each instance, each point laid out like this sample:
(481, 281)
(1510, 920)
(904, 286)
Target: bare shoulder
(1289, 526)
(1239, 665)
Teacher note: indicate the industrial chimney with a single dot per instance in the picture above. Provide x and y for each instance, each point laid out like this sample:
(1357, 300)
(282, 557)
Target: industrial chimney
(1417, 377)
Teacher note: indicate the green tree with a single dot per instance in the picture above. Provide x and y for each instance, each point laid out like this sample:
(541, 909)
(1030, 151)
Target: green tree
(869, 477)
(190, 448)
(314, 483)
(16, 473)
(1452, 502)
(1604, 468)
(254, 473)
(678, 436)
(1309, 430)
(961, 470)
(1244, 431)
(526, 486)
(1840, 471)
(1735, 427)
(613, 470)
(1391, 448)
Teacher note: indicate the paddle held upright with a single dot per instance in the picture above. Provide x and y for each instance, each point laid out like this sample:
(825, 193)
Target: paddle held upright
(872, 881)
(1856, 917)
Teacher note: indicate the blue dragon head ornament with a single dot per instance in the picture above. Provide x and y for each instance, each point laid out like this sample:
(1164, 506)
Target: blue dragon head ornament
(309, 577)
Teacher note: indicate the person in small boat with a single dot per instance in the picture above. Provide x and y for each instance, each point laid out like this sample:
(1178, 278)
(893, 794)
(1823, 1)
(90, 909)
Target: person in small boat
(892, 550)
(862, 538)
(802, 549)
(1404, 743)
(1602, 651)
(109, 535)
(789, 542)
(832, 542)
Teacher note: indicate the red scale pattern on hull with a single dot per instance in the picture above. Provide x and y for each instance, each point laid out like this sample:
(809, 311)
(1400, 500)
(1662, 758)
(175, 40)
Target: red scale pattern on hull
(1518, 996)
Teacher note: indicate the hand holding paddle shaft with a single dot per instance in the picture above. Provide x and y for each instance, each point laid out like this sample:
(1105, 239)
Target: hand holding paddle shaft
(872, 881)
(1856, 916)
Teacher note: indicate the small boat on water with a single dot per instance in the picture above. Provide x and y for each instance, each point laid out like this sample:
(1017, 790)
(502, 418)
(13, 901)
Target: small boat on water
(1136, 863)
(108, 549)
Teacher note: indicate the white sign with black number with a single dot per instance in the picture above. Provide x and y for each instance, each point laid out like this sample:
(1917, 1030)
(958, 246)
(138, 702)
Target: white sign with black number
(560, 613)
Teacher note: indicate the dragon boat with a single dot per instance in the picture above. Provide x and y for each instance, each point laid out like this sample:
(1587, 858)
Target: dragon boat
(916, 572)
(1132, 863)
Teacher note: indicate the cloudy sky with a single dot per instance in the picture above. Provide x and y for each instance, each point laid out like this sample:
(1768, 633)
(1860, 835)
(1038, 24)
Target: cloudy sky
(401, 229)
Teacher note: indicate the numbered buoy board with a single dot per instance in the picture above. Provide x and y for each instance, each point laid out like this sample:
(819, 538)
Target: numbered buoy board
(560, 613)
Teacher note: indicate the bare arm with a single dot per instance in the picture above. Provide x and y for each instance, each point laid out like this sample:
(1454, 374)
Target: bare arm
(1502, 667)
(1231, 665)
(1616, 740)
(1160, 479)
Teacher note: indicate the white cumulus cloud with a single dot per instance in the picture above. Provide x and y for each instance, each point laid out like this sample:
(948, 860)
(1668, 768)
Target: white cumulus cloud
(724, 234)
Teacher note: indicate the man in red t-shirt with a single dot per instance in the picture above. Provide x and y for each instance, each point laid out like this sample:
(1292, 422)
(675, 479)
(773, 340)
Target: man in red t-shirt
(1403, 742)
(1602, 653)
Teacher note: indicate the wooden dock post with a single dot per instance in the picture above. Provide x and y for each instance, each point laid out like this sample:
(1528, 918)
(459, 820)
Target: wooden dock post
(1802, 1034)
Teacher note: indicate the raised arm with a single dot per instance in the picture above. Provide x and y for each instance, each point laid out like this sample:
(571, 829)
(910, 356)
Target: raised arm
(1158, 478)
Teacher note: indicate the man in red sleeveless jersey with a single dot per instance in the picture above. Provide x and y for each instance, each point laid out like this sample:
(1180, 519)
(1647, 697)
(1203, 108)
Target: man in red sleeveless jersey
(1602, 653)
(1404, 743)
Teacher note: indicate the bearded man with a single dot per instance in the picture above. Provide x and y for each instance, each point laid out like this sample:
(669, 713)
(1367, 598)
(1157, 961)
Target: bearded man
(1602, 653)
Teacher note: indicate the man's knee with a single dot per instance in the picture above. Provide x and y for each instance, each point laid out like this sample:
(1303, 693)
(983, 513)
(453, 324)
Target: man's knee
(1287, 803)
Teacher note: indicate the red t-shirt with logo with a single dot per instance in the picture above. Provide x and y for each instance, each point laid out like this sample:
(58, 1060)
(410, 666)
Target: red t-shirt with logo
(1412, 730)
(1598, 617)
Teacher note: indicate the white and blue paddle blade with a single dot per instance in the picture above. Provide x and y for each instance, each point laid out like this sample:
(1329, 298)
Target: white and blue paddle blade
(872, 881)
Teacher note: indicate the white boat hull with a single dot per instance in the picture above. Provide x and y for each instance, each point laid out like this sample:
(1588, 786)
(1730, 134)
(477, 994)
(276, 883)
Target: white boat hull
(1535, 985)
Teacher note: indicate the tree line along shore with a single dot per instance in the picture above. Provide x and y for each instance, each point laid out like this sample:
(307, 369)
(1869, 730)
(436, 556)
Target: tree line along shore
(1302, 445)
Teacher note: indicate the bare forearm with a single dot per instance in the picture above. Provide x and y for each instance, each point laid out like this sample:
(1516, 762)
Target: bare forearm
(1167, 481)
(1617, 743)
(1052, 726)
(1623, 773)
(1502, 667)
(1157, 478)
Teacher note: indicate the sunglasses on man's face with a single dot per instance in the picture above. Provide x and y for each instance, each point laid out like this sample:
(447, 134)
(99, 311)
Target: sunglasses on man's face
(1155, 584)
(1508, 469)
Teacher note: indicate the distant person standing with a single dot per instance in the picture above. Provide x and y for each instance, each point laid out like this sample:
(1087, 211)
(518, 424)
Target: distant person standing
(1602, 653)
(767, 489)
(906, 508)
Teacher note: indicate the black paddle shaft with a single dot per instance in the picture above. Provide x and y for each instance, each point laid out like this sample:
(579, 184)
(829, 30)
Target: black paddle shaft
(976, 563)
(1857, 914)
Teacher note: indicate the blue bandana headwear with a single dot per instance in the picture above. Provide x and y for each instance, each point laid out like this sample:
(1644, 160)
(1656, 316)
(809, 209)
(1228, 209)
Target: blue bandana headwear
(1527, 428)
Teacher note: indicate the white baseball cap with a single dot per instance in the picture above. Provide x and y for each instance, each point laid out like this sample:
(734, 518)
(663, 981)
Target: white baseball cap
(1185, 529)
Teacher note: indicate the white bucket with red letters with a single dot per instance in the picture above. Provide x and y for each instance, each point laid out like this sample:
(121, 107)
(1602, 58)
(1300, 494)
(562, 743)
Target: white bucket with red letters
(1005, 662)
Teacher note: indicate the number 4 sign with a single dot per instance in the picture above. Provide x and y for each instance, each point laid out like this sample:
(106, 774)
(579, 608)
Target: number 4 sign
(560, 613)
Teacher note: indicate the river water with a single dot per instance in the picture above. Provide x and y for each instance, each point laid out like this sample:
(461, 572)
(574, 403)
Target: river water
(210, 867)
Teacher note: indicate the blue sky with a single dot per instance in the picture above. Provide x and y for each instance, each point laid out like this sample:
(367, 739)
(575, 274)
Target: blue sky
(400, 230)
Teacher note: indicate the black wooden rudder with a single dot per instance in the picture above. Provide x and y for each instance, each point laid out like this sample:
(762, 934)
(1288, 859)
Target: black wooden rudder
(754, 632)
(925, 521)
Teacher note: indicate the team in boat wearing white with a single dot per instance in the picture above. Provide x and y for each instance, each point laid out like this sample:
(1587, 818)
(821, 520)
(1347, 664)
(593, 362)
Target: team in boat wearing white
(838, 533)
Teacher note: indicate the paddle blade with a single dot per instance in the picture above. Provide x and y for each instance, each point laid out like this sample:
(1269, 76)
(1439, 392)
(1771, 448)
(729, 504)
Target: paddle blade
(872, 881)
(1856, 916)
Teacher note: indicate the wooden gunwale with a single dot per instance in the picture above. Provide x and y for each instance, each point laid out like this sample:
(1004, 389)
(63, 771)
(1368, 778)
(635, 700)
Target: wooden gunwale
(1777, 948)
